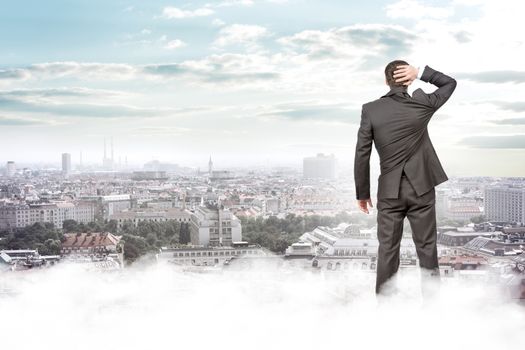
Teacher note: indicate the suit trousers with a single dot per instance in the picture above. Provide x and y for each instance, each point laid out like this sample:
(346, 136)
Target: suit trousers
(421, 215)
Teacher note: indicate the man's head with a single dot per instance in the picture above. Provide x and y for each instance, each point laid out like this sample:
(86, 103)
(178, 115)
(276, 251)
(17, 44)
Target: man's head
(389, 72)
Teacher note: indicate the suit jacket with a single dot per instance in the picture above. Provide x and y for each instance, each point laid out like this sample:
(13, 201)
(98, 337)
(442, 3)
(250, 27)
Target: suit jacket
(397, 125)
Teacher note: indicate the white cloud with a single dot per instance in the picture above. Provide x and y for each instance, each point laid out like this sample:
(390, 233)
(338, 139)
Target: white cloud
(240, 34)
(358, 42)
(414, 9)
(174, 12)
(218, 22)
(95, 70)
(338, 306)
(221, 69)
(174, 44)
(228, 3)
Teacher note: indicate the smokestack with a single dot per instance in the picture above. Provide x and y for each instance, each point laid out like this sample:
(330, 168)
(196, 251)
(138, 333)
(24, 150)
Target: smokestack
(80, 159)
(105, 153)
(112, 155)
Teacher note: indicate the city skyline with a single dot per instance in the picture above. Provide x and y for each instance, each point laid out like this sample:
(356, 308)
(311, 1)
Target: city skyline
(252, 82)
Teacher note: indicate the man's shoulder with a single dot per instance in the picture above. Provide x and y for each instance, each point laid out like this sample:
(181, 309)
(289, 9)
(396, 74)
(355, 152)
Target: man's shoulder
(420, 95)
(370, 106)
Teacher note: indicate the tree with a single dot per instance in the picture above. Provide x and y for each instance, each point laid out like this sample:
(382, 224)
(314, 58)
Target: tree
(185, 236)
(134, 247)
(42, 236)
(70, 226)
(111, 226)
(477, 219)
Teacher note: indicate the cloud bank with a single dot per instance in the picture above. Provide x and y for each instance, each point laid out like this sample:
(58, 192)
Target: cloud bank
(258, 308)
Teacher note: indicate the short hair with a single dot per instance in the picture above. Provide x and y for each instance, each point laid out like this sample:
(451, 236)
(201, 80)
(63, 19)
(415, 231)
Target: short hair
(389, 72)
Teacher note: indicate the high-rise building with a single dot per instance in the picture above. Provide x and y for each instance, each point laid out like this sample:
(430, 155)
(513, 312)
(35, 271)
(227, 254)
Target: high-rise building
(214, 227)
(210, 167)
(66, 164)
(505, 203)
(10, 168)
(319, 167)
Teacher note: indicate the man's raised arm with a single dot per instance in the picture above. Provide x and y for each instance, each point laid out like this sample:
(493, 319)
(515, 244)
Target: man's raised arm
(406, 74)
(446, 86)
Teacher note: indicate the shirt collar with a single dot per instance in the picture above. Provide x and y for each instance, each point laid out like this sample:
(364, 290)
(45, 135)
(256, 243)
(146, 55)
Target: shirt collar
(397, 90)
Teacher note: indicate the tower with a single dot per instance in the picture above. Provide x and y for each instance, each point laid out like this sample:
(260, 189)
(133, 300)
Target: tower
(108, 163)
(210, 166)
(112, 154)
(219, 219)
(66, 164)
(105, 153)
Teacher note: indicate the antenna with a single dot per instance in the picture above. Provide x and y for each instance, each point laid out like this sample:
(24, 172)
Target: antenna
(112, 158)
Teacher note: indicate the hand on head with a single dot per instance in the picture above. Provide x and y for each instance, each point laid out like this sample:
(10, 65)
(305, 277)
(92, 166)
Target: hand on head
(405, 74)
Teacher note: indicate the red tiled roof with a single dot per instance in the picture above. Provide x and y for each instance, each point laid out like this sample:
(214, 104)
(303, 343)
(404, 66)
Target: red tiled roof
(87, 240)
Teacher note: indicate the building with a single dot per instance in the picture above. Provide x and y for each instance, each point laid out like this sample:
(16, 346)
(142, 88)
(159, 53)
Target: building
(23, 259)
(149, 175)
(134, 216)
(494, 247)
(460, 238)
(300, 249)
(464, 262)
(6, 262)
(66, 164)
(272, 205)
(221, 175)
(505, 203)
(91, 243)
(113, 204)
(10, 169)
(156, 165)
(214, 227)
(15, 216)
(211, 256)
(313, 198)
(319, 167)
(463, 208)
(345, 247)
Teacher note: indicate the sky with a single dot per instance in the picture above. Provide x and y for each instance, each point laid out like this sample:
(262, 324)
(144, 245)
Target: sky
(253, 82)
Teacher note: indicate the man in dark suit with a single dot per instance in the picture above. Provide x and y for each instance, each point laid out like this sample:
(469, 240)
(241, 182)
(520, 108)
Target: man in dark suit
(410, 169)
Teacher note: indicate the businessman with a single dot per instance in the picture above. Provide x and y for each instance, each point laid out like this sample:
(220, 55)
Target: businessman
(410, 169)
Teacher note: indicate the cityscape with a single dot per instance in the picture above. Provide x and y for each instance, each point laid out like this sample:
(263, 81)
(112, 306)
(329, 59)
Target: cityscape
(193, 217)
(182, 174)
